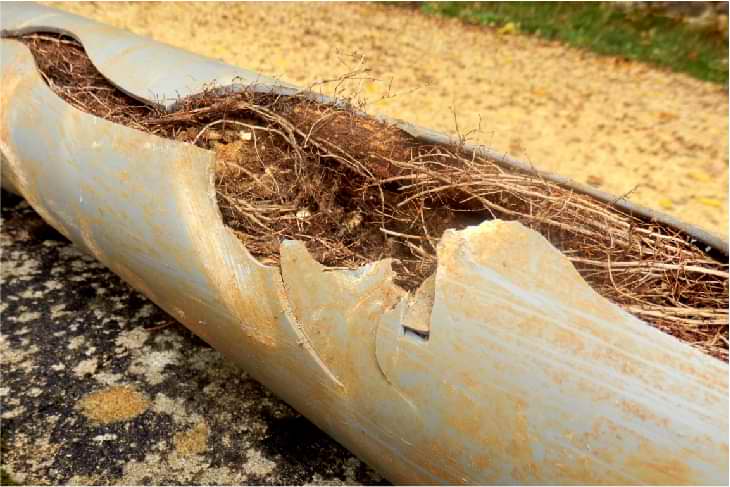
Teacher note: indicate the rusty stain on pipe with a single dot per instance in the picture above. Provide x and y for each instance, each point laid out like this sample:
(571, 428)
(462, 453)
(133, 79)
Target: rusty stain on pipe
(489, 373)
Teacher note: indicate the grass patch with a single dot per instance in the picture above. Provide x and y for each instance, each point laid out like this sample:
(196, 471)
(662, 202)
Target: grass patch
(638, 35)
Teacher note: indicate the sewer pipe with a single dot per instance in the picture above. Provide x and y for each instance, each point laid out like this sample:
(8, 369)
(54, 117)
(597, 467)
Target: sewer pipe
(508, 377)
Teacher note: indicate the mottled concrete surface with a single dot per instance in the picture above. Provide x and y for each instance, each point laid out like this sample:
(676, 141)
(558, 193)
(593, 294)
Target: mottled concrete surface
(99, 386)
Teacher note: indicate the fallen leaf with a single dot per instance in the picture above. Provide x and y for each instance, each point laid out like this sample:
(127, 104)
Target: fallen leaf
(594, 180)
(667, 117)
(666, 203)
(699, 176)
(508, 28)
(712, 202)
(370, 87)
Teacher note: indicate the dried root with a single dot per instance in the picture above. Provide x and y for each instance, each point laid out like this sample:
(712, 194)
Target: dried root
(357, 190)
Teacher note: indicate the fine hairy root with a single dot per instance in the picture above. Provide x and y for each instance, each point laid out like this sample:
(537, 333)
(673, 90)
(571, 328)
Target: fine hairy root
(356, 190)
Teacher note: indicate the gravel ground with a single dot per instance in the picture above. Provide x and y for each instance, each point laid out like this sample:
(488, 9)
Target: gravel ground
(618, 125)
(99, 386)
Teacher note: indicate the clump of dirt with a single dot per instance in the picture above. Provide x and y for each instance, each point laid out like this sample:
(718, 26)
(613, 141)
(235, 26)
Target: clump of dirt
(356, 190)
(114, 404)
(193, 441)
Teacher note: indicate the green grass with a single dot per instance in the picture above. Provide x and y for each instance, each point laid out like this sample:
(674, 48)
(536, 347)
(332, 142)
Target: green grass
(641, 36)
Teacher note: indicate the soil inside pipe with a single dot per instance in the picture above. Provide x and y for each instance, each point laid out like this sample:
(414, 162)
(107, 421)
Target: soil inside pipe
(357, 190)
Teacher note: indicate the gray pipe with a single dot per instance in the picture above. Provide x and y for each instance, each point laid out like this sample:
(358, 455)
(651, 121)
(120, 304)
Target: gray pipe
(490, 373)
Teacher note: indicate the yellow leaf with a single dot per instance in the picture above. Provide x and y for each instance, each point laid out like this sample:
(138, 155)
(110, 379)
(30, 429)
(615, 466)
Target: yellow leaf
(713, 202)
(699, 176)
(508, 28)
(666, 203)
(667, 116)
(370, 87)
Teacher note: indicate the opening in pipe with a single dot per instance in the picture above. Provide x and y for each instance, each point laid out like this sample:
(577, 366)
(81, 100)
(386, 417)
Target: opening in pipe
(357, 190)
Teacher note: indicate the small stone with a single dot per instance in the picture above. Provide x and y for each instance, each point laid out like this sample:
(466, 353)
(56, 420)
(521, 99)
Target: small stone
(85, 367)
(105, 437)
(303, 214)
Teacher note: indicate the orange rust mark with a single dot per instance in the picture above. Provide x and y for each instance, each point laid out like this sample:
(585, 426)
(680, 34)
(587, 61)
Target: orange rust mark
(133, 280)
(448, 467)
(662, 471)
(579, 469)
(519, 447)
(635, 409)
(569, 340)
(482, 461)
(556, 375)
(87, 237)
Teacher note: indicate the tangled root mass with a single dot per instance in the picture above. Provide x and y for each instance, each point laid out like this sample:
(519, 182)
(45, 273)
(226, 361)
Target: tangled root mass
(356, 190)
